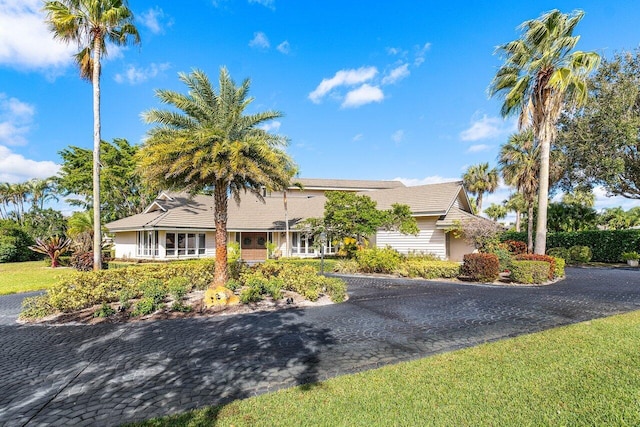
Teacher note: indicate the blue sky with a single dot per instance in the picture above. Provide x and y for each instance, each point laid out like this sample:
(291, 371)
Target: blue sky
(369, 90)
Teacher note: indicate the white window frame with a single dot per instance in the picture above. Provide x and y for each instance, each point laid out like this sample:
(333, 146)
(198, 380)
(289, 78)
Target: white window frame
(147, 243)
(186, 244)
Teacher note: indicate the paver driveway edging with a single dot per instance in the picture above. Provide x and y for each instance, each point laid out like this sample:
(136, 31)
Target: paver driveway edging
(109, 374)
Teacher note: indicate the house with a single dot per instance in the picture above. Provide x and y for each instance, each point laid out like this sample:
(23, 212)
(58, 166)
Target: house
(177, 226)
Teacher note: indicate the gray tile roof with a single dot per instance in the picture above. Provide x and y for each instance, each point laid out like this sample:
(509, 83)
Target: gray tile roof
(346, 184)
(184, 212)
(431, 199)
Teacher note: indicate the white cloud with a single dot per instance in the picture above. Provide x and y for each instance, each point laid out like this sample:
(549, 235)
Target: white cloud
(478, 147)
(396, 74)
(260, 41)
(487, 128)
(16, 168)
(397, 136)
(27, 43)
(365, 94)
(421, 52)
(395, 51)
(342, 78)
(134, 75)
(15, 120)
(357, 137)
(435, 179)
(272, 126)
(284, 47)
(153, 20)
(271, 4)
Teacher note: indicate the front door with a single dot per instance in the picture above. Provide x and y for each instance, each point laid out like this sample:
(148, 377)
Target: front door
(253, 246)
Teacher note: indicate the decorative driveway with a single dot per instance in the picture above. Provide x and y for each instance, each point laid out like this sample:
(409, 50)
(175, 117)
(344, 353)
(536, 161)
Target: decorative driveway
(109, 374)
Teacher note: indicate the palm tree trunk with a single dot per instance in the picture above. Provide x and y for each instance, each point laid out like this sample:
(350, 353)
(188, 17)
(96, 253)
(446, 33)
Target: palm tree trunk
(543, 193)
(479, 203)
(220, 218)
(97, 233)
(530, 228)
(518, 221)
(286, 224)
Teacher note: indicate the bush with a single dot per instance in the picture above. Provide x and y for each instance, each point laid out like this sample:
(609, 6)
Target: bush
(481, 267)
(580, 254)
(630, 256)
(181, 307)
(14, 243)
(516, 247)
(347, 266)
(419, 267)
(36, 307)
(551, 268)
(559, 253)
(377, 260)
(501, 250)
(251, 294)
(178, 287)
(105, 310)
(524, 271)
(559, 269)
(335, 288)
(145, 306)
(153, 289)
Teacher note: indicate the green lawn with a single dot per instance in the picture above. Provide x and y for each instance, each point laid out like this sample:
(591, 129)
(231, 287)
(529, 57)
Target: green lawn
(28, 276)
(584, 374)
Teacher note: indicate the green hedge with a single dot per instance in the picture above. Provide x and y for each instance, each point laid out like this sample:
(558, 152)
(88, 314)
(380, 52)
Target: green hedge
(427, 269)
(529, 272)
(606, 245)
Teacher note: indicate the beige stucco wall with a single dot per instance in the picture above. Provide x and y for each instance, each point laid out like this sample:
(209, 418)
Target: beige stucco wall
(458, 248)
(125, 244)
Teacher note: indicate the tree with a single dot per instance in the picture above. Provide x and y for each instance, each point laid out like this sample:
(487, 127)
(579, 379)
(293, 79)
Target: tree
(53, 247)
(516, 203)
(602, 139)
(122, 192)
(90, 24)
(541, 75)
(355, 216)
(478, 179)
(211, 143)
(42, 190)
(571, 217)
(496, 212)
(580, 197)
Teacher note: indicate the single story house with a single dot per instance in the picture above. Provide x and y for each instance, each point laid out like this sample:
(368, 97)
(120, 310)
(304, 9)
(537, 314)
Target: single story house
(177, 226)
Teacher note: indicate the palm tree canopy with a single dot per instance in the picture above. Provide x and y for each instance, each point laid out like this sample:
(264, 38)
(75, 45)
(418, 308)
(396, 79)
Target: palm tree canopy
(212, 142)
(85, 21)
(519, 162)
(541, 72)
(479, 179)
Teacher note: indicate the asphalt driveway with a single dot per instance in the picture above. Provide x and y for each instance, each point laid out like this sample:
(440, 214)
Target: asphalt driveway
(109, 374)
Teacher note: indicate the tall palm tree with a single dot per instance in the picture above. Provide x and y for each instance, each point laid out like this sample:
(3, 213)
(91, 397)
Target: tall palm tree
(42, 190)
(4, 200)
(90, 24)
(517, 204)
(519, 162)
(211, 142)
(541, 74)
(478, 179)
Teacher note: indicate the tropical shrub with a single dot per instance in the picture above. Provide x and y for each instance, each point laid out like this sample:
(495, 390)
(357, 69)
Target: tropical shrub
(53, 247)
(516, 247)
(105, 310)
(377, 260)
(580, 254)
(630, 256)
(145, 306)
(36, 307)
(551, 267)
(481, 267)
(178, 287)
(559, 269)
(14, 243)
(501, 250)
(346, 266)
(525, 271)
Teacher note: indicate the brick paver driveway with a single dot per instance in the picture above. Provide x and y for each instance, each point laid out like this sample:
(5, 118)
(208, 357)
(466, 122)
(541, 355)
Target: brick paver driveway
(109, 374)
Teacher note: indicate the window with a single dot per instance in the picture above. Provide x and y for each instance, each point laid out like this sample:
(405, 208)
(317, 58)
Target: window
(185, 244)
(147, 243)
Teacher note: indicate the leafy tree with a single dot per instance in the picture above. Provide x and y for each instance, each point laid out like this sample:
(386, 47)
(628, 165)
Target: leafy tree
(89, 24)
(211, 142)
(496, 211)
(541, 74)
(580, 197)
(14, 242)
(479, 179)
(40, 223)
(122, 192)
(602, 139)
(571, 217)
(352, 216)
(618, 219)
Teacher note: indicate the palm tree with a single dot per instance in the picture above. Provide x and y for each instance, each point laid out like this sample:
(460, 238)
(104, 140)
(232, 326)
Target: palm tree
(4, 200)
(90, 24)
(478, 179)
(211, 142)
(42, 190)
(520, 164)
(539, 77)
(517, 204)
(496, 211)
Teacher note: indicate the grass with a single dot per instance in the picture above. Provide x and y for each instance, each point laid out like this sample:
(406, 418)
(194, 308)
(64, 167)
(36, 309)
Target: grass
(583, 374)
(28, 276)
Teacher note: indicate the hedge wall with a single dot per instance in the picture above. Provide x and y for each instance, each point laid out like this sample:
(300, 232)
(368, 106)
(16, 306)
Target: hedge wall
(606, 245)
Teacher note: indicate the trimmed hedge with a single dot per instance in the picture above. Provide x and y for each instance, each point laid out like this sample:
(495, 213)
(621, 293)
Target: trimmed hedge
(481, 267)
(606, 245)
(529, 272)
(559, 270)
(427, 269)
(551, 267)
(377, 260)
